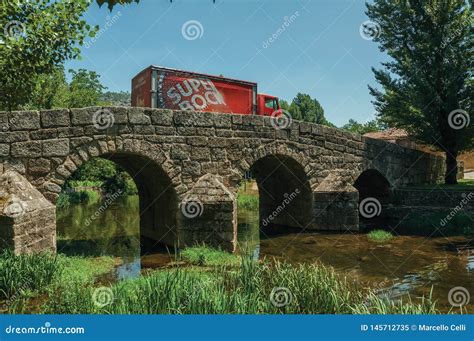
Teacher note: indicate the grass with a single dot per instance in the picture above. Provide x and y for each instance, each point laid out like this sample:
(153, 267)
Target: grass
(379, 236)
(205, 256)
(27, 277)
(246, 197)
(245, 289)
(22, 274)
(463, 185)
(85, 183)
(233, 285)
(247, 201)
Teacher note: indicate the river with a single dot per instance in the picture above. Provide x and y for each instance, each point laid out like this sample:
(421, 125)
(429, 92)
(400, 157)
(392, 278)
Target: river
(410, 265)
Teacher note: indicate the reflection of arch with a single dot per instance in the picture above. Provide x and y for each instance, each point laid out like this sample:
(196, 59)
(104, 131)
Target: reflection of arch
(155, 177)
(285, 193)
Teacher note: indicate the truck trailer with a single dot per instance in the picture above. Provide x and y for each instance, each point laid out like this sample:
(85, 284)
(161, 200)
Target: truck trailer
(160, 87)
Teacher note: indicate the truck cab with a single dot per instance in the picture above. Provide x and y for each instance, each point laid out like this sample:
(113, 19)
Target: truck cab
(267, 104)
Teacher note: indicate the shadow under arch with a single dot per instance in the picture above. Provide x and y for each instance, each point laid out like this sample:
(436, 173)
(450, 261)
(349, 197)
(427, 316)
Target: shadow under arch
(285, 194)
(374, 193)
(158, 201)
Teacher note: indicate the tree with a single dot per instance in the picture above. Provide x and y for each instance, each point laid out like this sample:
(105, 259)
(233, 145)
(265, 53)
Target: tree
(50, 91)
(305, 108)
(112, 3)
(85, 89)
(359, 128)
(122, 98)
(40, 36)
(427, 86)
(284, 105)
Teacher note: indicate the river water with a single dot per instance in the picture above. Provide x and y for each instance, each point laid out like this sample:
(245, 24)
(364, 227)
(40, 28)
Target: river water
(411, 265)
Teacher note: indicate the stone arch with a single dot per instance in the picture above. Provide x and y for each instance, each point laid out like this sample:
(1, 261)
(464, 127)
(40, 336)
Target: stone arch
(372, 183)
(282, 177)
(374, 194)
(154, 174)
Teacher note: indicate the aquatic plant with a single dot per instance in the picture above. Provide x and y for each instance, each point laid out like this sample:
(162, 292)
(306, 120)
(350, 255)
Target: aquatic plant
(379, 236)
(206, 256)
(248, 288)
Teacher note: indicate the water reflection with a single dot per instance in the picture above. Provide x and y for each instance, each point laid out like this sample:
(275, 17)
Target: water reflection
(408, 264)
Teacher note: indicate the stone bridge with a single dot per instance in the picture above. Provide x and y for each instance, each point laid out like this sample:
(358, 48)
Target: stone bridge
(188, 167)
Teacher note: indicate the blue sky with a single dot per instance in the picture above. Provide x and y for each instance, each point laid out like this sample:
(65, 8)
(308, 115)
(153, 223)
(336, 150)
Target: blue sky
(320, 52)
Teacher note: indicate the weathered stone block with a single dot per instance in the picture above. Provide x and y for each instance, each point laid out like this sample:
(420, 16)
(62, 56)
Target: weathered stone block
(137, 116)
(55, 118)
(40, 166)
(84, 116)
(59, 147)
(44, 134)
(160, 117)
(24, 120)
(4, 149)
(26, 149)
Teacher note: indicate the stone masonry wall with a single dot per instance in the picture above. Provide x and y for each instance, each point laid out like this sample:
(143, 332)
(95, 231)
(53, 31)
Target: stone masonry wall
(47, 147)
(27, 219)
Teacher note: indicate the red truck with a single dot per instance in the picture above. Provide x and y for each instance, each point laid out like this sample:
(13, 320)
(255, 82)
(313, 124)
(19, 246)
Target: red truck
(159, 87)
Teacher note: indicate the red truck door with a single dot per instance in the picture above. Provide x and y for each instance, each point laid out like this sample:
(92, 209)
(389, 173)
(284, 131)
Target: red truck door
(267, 104)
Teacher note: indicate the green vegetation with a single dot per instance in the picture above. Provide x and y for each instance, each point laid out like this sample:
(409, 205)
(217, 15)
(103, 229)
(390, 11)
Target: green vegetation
(122, 98)
(247, 201)
(96, 173)
(29, 39)
(232, 285)
(362, 128)
(24, 273)
(305, 108)
(419, 90)
(379, 236)
(81, 197)
(248, 198)
(462, 185)
(205, 256)
(85, 183)
(111, 176)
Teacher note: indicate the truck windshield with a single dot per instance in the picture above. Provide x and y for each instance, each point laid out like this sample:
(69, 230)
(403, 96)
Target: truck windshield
(271, 103)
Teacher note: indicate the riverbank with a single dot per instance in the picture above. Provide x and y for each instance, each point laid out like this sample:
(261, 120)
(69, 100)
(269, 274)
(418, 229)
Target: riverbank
(202, 281)
(87, 192)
